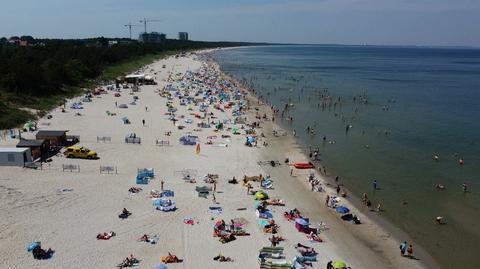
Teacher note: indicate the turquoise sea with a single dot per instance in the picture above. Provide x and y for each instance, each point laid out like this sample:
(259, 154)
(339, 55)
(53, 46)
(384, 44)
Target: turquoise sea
(404, 105)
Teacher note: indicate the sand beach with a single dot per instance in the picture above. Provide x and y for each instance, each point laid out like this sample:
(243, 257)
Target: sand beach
(66, 210)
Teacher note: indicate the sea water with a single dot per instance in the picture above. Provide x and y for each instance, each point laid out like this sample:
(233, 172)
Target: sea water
(404, 105)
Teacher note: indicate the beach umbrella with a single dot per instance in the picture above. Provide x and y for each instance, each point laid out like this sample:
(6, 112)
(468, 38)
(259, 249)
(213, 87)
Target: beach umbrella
(342, 210)
(339, 264)
(260, 195)
(301, 221)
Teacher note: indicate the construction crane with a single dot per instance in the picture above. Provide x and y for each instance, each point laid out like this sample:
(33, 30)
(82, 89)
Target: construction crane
(130, 25)
(144, 21)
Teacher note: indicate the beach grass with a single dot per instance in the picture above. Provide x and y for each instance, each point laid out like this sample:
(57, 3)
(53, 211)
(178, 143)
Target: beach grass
(11, 116)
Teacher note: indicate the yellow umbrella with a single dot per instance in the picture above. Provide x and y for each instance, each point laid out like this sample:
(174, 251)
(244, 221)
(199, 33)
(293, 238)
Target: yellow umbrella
(339, 265)
(260, 195)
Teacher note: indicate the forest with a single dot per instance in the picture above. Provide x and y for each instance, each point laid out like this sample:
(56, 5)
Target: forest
(44, 72)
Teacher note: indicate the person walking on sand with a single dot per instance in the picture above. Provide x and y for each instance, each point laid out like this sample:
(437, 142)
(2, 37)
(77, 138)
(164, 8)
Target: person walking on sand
(403, 248)
(291, 172)
(116, 104)
(214, 199)
(364, 198)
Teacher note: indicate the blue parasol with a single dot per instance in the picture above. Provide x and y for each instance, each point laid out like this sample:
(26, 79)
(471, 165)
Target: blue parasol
(342, 210)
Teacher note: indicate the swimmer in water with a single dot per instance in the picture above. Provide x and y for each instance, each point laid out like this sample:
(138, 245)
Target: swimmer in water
(435, 157)
(439, 186)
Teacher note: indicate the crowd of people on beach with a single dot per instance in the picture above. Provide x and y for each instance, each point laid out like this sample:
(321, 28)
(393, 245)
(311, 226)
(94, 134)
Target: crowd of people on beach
(219, 93)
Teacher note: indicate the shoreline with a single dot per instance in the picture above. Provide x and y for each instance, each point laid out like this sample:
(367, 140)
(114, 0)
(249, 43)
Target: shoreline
(385, 225)
(68, 230)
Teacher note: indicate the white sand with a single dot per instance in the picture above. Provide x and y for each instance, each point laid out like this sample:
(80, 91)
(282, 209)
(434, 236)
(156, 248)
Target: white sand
(34, 207)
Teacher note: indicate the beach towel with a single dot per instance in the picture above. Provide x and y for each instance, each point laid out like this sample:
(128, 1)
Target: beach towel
(270, 265)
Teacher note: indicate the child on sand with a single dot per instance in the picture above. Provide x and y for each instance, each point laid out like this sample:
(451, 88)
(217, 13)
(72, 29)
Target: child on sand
(410, 251)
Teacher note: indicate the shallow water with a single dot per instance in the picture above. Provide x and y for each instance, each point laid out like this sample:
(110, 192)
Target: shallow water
(419, 101)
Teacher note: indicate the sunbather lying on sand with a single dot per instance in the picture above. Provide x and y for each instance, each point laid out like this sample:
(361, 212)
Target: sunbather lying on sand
(134, 190)
(314, 237)
(292, 214)
(276, 202)
(233, 181)
(41, 254)
(276, 239)
(227, 238)
(129, 261)
(148, 239)
(222, 258)
(271, 227)
(125, 213)
(105, 236)
(171, 259)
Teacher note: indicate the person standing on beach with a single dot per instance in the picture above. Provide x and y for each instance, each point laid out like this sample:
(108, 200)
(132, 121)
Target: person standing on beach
(294, 133)
(197, 149)
(143, 122)
(327, 200)
(403, 248)
(364, 198)
(410, 251)
(161, 185)
(338, 189)
(291, 172)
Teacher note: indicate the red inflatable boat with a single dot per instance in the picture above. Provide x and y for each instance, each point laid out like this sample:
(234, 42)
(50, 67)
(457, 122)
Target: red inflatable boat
(304, 165)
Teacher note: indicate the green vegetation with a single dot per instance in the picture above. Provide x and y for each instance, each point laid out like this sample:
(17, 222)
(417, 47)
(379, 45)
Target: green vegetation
(11, 116)
(41, 75)
(113, 71)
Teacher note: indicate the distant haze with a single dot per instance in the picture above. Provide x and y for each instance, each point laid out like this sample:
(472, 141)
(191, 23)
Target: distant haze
(379, 22)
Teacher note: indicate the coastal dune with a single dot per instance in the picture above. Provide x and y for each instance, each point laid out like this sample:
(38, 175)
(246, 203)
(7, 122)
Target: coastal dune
(66, 210)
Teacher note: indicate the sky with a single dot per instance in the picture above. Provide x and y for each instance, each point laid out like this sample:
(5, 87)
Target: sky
(373, 22)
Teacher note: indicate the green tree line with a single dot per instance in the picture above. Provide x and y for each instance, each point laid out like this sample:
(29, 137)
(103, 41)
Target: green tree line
(49, 67)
